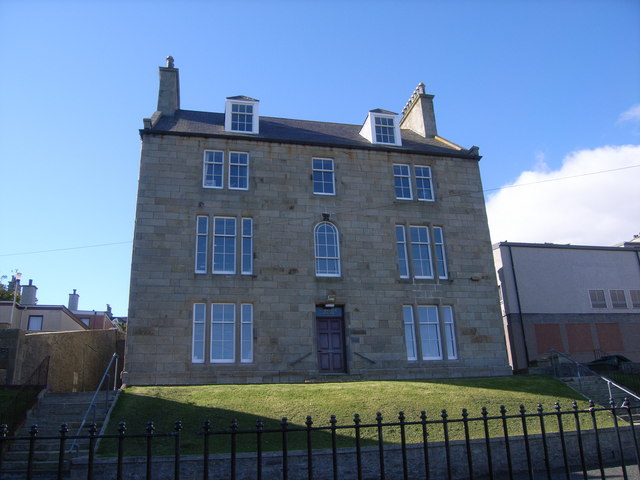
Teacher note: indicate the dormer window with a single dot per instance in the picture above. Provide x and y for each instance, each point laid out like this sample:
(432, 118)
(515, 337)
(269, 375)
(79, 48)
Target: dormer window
(241, 115)
(384, 130)
(382, 127)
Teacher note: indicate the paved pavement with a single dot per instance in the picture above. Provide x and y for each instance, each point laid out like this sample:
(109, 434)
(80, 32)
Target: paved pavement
(611, 473)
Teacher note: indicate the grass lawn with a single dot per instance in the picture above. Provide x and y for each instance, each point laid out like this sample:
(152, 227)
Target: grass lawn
(220, 404)
(8, 416)
(6, 395)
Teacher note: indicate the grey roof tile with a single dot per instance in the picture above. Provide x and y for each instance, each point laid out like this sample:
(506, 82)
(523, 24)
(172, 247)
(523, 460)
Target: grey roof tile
(190, 122)
(381, 110)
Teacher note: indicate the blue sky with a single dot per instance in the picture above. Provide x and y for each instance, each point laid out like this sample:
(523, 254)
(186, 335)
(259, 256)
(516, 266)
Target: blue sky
(546, 89)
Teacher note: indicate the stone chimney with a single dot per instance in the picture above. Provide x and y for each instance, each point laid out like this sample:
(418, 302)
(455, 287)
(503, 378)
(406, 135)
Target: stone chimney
(418, 115)
(29, 294)
(74, 299)
(169, 92)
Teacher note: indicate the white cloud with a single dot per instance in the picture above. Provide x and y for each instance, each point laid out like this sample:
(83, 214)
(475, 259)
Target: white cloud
(631, 115)
(572, 204)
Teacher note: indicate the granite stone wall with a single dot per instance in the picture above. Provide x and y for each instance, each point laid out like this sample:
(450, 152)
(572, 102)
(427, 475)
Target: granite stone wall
(283, 288)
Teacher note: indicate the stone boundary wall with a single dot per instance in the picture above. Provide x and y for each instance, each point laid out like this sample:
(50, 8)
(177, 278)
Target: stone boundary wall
(77, 358)
(191, 466)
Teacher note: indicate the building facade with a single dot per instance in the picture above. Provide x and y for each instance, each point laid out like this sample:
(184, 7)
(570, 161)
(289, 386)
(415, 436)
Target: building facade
(280, 250)
(579, 300)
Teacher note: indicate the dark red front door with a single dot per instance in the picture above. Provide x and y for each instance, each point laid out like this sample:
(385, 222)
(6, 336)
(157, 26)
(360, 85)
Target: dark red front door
(330, 329)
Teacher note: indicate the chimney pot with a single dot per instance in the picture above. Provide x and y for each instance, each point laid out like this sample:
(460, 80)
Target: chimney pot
(169, 91)
(29, 294)
(74, 300)
(418, 115)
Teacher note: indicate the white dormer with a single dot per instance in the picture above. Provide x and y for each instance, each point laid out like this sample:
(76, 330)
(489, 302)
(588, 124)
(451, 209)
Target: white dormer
(241, 114)
(382, 127)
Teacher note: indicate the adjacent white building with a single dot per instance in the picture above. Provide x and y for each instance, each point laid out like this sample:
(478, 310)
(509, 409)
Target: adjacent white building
(580, 300)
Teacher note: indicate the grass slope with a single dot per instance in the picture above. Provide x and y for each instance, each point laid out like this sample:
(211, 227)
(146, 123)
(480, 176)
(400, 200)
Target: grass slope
(220, 404)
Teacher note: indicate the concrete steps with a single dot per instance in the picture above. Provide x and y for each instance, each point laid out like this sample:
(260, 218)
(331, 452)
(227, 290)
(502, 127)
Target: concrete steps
(595, 388)
(53, 410)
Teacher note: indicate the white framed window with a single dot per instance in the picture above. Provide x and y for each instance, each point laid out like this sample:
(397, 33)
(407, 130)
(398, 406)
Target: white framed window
(401, 247)
(635, 298)
(402, 182)
(323, 176)
(384, 129)
(241, 115)
(246, 333)
(618, 300)
(409, 332)
(213, 169)
(238, 171)
(34, 323)
(223, 332)
(224, 245)
(449, 332)
(202, 239)
(441, 259)
(423, 182)
(420, 252)
(429, 332)
(597, 299)
(415, 259)
(247, 246)
(197, 340)
(434, 323)
(424, 186)
(327, 250)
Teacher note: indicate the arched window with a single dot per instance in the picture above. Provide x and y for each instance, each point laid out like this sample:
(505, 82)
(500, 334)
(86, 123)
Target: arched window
(327, 250)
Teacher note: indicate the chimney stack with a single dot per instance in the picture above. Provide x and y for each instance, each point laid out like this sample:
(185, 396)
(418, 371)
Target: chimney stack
(74, 299)
(418, 115)
(29, 294)
(169, 92)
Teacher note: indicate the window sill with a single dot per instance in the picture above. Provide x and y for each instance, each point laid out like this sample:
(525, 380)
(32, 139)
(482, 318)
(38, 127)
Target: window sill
(329, 279)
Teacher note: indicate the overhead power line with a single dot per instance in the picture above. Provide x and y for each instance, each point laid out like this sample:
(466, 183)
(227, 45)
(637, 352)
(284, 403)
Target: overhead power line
(560, 178)
(346, 210)
(63, 249)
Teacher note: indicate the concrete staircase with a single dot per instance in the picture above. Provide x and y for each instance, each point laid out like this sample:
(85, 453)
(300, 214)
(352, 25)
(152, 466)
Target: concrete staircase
(53, 410)
(596, 389)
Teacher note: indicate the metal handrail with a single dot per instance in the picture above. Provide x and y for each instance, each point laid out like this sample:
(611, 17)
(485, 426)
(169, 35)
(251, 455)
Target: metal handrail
(92, 406)
(602, 377)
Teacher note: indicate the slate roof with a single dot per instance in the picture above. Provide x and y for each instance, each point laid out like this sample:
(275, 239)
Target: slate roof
(286, 130)
(381, 110)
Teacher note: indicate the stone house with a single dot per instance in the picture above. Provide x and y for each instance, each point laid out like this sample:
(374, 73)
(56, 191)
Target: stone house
(576, 299)
(280, 250)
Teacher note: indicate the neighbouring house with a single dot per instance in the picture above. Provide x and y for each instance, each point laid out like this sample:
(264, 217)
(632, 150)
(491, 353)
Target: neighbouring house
(279, 250)
(76, 345)
(28, 315)
(579, 300)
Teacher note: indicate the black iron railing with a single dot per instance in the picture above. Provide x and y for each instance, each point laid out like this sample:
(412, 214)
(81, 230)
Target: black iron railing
(521, 445)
